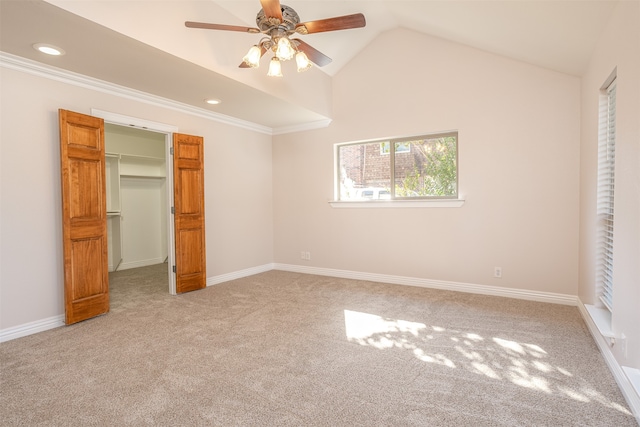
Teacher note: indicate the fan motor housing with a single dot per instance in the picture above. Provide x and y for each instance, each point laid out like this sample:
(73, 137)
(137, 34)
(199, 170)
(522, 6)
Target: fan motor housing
(290, 19)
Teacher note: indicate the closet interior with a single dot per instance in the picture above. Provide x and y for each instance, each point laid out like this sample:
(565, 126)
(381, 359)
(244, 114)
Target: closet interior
(137, 198)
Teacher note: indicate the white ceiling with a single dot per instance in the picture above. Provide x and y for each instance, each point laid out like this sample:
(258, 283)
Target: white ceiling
(555, 34)
(135, 35)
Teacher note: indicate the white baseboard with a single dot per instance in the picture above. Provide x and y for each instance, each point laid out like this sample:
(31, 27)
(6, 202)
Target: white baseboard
(23, 330)
(630, 393)
(471, 288)
(238, 274)
(141, 263)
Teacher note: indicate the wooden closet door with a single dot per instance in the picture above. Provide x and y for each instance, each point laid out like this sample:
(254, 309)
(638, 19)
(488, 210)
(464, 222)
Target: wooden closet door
(84, 216)
(188, 176)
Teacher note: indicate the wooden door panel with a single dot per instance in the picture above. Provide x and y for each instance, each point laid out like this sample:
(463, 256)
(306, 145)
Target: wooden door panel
(82, 134)
(86, 258)
(190, 194)
(85, 183)
(188, 150)
(188, 175)
(84, 216)
(87, 308)
(82, 229)
(190, 254)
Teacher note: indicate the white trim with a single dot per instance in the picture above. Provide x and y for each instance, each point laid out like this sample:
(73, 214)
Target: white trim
(215, 280)
(629, 391)
(41, 70)
(601, 317)
(433, 203)
(471, 288)
(31, 328)
(122, 120)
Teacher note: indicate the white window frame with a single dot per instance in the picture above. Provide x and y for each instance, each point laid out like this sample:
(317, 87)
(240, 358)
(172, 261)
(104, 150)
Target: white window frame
(605, 193)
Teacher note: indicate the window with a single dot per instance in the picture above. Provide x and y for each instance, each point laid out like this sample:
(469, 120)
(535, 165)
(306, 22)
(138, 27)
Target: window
(403, 147)
(423, 167)
(606, 181)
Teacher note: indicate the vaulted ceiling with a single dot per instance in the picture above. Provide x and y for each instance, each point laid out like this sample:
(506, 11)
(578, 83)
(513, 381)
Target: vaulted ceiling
(144, 45)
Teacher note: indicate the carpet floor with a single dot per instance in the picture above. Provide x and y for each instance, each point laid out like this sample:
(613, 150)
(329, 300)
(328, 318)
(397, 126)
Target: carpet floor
(288, 349)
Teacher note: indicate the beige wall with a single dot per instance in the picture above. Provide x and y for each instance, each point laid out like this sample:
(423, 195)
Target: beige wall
(519, 133)
(238, 187)
(619, 46)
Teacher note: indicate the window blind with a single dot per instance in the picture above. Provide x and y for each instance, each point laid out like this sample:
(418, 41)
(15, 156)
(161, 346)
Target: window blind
(606, 184)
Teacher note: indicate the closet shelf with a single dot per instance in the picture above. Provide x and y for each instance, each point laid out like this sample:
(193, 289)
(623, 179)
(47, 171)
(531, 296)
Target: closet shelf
(142, 176)
(138, 158)
(135, 157)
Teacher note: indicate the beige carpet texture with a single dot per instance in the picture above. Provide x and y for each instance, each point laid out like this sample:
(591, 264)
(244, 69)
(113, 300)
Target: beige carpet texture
(289, 349)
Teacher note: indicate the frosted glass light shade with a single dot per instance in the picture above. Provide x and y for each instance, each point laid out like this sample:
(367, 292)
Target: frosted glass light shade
(275, 69)
(284, 52)
(302, 62)
(252, 58)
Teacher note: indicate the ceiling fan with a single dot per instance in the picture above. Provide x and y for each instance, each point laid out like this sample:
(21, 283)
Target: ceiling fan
(278, 22)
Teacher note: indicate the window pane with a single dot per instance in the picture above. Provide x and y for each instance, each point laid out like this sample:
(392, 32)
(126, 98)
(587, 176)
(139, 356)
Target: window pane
(365, 172)
(401, 147)
(426, 167)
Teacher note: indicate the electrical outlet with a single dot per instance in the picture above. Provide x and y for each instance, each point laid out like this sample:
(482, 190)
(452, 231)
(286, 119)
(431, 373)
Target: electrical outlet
(497, 272)
(308, 256)
(303, 255)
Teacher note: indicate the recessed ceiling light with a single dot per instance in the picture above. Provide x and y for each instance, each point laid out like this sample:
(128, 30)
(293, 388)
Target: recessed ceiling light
(49, 49)
(213, 101)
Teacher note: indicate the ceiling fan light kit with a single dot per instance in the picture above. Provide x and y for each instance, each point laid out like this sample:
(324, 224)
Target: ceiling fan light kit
(279, 22)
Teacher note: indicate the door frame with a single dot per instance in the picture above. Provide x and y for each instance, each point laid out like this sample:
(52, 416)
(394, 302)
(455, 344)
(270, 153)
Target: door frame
(168, 131)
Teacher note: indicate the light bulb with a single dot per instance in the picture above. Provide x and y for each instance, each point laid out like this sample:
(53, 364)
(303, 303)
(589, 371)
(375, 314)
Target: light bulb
(275, 69)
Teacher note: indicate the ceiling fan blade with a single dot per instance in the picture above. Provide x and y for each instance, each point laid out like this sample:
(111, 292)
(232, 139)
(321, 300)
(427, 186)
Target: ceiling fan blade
(332, 24)
(206, 26)
(314, 55)
(262, 52)
(272, 9)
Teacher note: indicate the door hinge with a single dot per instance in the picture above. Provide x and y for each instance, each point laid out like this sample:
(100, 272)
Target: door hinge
(174, 268)
(173, 210)
(171, 151)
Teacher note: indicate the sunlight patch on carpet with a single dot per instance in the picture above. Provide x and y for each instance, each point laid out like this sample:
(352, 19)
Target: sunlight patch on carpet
(375, 331)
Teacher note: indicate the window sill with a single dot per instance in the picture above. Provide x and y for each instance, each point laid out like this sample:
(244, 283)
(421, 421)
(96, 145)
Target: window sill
(436, 203)
(602, 319)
